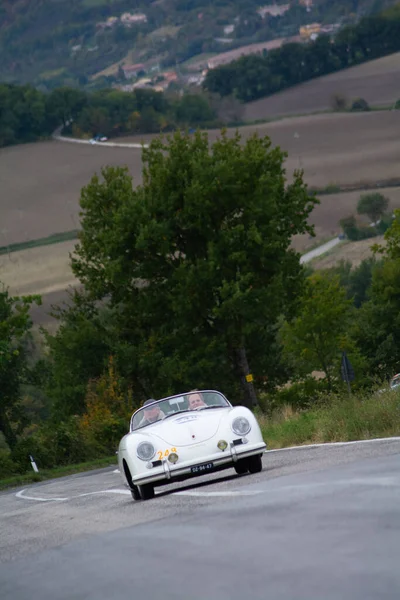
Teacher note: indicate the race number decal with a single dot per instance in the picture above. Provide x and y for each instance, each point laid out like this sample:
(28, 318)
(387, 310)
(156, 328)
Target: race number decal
(166, 453)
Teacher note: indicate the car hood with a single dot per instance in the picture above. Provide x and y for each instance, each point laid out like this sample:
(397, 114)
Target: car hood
(188, 428)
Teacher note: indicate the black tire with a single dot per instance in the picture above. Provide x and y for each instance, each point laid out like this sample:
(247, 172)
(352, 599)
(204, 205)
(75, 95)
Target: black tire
(146, 491)
(135, 492)
(254, 463)
(241, 467)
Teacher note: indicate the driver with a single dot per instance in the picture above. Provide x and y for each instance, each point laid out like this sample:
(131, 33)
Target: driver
(195, 400)
(151, 414)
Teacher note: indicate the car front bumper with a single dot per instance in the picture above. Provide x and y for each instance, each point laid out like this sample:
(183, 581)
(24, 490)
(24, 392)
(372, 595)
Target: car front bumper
(168, 472)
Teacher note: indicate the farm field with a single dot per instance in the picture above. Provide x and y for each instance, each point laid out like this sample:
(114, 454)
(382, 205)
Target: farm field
(333, 207)
(377, 81)
(41, 186)
(41, 183)
(43, 270)
(354, 252)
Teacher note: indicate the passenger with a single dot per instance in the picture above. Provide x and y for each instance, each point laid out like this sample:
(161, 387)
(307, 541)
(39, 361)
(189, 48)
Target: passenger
(151, 414)
(195, 400)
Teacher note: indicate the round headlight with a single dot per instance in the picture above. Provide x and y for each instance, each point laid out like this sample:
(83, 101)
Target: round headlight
(145, 451)
(241, 426)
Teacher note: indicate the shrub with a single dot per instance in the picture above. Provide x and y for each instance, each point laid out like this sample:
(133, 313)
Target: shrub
(359, 104)
(349, 226)
(108, 410)
(373, 205)
(339, 102)
(300, 394)
(7, 466)
(52, 445)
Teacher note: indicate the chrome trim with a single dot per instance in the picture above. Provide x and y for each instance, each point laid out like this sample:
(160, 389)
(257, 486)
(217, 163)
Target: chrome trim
(167, 469)
(222, 459)
(233, 452)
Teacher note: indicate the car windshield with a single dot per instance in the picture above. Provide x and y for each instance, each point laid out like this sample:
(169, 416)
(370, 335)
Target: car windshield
(190, 401)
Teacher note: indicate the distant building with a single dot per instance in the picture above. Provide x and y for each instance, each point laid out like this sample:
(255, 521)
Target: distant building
(306, 31)
(274, 10)
(228, 29)
(128, 19)
(131, 71)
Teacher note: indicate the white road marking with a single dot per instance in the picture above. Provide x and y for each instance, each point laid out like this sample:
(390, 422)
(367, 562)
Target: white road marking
(21, 495)
(117, 471)
(39, 499)
(328, 444)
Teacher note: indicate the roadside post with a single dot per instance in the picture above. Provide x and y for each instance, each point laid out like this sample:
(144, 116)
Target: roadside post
(34, 465)
(347, 371)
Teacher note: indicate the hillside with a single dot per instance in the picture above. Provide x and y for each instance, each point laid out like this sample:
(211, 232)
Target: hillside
(377, 81)
(67, 42)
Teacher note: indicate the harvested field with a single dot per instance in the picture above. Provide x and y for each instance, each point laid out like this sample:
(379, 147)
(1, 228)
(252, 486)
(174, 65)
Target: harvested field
(41, 183)
(354, 252)
(377, 81)
(333, 148)
(334, 207)
(39, 270)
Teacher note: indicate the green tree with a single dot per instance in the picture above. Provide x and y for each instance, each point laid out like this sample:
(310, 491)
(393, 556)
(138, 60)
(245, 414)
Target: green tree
(78, 351)
(373, 205)
(15, 325)
(197, 258)
(313, 340)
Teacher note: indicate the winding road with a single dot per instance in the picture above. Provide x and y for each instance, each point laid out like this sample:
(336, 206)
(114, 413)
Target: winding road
(318, 523)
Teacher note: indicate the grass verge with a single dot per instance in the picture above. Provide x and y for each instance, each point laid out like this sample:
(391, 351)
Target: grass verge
(55, 238)
(339, 419)
(26, 478)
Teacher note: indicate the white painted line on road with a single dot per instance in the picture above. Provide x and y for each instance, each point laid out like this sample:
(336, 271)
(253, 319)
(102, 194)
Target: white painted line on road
(328, 444)
(40, 499)
(22, 495)
(117, 471)
(215, 494)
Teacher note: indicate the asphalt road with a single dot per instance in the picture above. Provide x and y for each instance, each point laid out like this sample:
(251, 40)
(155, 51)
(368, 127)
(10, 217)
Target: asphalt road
(317, 524)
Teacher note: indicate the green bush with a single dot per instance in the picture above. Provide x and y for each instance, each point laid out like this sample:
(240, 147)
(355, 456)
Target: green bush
(359, 104)
(300, 394)
(52, 445)
(7, 466)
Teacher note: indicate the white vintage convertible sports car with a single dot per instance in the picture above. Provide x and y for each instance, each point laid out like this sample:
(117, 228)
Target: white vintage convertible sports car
(185, 436)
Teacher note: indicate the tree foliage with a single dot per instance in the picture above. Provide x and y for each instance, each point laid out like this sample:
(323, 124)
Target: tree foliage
(197, 259)
(373, 205)
(15, 325)
(314, 339)
(252, 77)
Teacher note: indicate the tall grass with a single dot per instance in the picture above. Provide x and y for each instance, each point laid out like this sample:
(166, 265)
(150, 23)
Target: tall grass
(338, 419)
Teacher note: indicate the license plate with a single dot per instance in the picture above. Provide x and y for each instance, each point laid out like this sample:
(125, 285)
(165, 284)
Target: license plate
(202, 468)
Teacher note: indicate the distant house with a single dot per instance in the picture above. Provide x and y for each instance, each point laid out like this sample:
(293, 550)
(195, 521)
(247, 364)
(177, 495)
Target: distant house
(128, 19)
(228, 29)
(274, 10)
(131, 71)
(306, 31)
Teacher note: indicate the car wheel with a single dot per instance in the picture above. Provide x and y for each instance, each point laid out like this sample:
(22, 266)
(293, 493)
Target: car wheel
(254, 464)
(146, 491)
(135, 492)
(241, 467)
